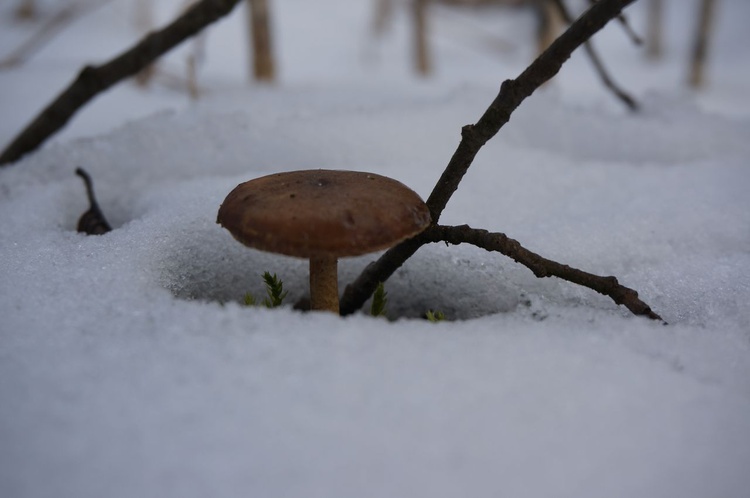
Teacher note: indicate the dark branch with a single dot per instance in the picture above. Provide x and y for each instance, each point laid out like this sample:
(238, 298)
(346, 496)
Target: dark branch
(623, 20)
(541, 267)
(93, 80)
(92, 222)
(473, 137)
(597, 61)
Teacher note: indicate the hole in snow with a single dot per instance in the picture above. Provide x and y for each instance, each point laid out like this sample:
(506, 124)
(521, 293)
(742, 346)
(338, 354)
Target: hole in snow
(461, 282)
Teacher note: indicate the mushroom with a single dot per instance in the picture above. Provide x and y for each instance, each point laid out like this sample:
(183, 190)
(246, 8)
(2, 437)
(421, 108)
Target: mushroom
(323, 215)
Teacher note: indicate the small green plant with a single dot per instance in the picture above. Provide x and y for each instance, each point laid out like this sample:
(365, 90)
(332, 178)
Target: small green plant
(274, 290)
(379, 301)
(434, 316)
(249, 300)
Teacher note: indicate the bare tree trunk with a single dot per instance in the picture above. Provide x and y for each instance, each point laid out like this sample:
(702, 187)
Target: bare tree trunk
(547, 20)
(700, 43)
(144, 22)
(194, 59)
(143, 17)
(422, 60)
(260, 31)
(383, 14)
(654, 36)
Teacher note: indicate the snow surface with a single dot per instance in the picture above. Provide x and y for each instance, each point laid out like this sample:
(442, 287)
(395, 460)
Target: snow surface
(128, 368)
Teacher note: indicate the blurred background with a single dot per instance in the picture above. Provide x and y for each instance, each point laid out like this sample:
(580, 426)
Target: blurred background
(667, 46)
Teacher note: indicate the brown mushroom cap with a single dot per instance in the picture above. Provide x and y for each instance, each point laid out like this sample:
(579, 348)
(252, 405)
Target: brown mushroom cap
(323, 213)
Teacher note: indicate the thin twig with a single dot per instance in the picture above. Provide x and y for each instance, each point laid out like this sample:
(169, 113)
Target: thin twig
(541, 267)
(597, 61)
(93, 80)
(634, 37)
(473, 137)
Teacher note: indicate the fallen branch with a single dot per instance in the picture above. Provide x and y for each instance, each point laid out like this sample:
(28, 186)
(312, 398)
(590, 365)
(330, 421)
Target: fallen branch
(93, 80)
(541, 267)
(473, 137)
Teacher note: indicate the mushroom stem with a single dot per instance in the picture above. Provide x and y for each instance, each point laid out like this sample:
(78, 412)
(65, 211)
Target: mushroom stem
(324, 284)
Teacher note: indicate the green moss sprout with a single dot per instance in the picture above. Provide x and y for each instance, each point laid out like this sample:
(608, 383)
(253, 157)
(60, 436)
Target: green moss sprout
(275, 292)
(379, 301)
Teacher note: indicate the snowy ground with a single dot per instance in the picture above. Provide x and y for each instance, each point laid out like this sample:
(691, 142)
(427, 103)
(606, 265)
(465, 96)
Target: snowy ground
(128, 368)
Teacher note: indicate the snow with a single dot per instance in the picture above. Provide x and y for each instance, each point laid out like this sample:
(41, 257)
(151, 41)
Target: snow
(129, 368)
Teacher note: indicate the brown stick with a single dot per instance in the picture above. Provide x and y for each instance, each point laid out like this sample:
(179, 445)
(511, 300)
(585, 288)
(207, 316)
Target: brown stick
(473, 137)
(422, 60)
(144, 22)
(700, 43)
(547, 22)
(541, 267)
(260, 31)
(654, 33)
(93, 80)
